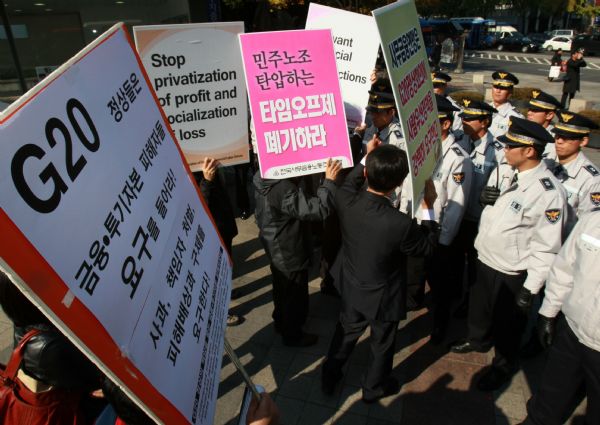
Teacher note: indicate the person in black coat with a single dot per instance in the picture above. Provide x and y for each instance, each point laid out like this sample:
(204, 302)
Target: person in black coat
(556, 58)
(571, 84)
(284, 212)
(220, 208)
(377, 238)
(217, 201)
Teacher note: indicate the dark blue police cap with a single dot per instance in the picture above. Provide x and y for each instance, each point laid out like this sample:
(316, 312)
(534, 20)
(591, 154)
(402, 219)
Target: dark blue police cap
(522, 132)
(504, 80)
(444, 106)
(440, 78)
(542, 101)
(572, 125)
(475, 110)
(381, 96)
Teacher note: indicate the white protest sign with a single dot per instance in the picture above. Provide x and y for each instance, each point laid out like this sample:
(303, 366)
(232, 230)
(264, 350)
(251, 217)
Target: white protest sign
(197, 73)
(105, 231)
(355, 40)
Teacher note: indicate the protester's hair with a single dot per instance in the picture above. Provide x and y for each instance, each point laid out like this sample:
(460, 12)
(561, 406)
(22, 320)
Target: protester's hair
(124, 407)
(16, 306)
(387, 167)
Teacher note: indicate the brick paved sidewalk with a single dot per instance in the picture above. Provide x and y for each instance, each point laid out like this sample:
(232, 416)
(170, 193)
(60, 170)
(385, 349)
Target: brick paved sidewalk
(437, 387)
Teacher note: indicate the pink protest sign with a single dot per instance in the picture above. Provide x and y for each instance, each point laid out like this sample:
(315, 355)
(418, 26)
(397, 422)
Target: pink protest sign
(295, 101)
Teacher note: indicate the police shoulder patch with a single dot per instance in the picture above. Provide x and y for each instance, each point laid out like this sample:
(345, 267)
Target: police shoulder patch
(595, 198)
(592, 170)
(457, 151)
(458, 178)
(547, 183)
(552, 215)
(498, 145)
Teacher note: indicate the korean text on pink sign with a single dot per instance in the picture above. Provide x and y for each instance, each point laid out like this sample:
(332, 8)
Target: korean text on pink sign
(295, 100)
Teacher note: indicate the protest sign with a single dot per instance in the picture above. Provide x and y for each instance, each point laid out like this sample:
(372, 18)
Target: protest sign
(197, 73)
(355, 41)
(408, 68)
(104, 230)
(295, 101)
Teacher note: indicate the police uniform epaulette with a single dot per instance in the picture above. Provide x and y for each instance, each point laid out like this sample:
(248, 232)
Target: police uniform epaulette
(498, 145)
(457, 151)
(591, 169)
(547, 183)
(398, 133)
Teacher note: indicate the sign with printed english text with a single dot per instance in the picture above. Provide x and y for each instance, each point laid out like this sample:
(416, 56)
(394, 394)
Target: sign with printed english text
(295, 100)
(197, 73)
(105, 231)
(355, 41)
(408, 68)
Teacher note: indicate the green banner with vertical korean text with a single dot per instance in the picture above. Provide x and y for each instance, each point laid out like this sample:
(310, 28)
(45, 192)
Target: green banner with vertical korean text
(406, 60)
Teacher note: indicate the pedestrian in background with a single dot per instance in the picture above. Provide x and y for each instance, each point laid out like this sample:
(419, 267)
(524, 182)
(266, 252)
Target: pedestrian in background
(556, 58)
(571, 84)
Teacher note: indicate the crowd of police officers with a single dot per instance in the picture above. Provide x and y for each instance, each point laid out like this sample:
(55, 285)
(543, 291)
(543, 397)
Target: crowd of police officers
(518, 205)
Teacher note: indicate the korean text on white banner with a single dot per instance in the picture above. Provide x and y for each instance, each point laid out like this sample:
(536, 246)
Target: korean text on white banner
(355, 41)
(295, 100)
(104, 230)
(197, 73)
(406, 61)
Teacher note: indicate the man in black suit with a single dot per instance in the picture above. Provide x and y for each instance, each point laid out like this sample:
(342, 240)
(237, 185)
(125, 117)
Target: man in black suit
(376, 240)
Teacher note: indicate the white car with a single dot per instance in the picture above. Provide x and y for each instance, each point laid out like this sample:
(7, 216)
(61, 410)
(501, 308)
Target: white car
(558, 42)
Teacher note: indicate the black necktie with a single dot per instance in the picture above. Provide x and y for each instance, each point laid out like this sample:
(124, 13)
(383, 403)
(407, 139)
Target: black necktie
(558, 171)
(514, 180)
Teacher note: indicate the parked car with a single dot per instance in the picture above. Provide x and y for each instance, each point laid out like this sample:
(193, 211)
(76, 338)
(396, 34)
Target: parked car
(557, 42)
(565, 33)
(538, 37)
(590, 42)
(517, 42)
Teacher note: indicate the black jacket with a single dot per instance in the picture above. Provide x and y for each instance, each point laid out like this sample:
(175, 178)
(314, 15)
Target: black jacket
(283, 212)
(219, 205)
(376, 240)
(571, 84)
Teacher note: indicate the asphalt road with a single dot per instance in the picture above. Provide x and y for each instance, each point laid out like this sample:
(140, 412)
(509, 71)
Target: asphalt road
(524, 63)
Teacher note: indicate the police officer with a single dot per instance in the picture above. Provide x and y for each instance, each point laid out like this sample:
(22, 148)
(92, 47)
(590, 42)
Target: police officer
(519, 237)
(502, 89)
(452, 181)
(574, 358)
(440, 82)
(575, 171)
(542, 109)
(485, 153)
(385, 124)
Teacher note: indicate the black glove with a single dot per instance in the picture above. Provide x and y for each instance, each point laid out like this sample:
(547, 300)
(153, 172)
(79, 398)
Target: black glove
(488, 196)
(545, 329)
(524, 299)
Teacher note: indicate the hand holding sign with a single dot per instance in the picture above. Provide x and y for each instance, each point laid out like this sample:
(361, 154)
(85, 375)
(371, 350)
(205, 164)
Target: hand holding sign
(263, 411)
(333, 169)
(209, 169)
(429, 196)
